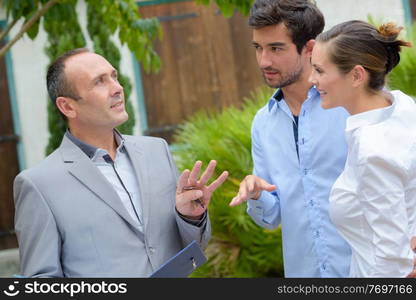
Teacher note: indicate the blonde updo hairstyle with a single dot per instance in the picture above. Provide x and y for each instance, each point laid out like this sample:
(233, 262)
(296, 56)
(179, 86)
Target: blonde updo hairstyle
(359, 43)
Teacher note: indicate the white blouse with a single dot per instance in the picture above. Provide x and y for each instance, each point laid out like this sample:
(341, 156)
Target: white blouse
(373, 201)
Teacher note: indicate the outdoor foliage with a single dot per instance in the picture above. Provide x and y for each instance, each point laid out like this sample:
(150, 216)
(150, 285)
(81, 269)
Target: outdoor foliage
(239, 247)
(403, 76)
(118, 17)
(229, 6)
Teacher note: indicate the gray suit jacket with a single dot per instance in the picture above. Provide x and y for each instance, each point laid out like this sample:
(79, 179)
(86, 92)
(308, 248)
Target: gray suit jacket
(70, 222)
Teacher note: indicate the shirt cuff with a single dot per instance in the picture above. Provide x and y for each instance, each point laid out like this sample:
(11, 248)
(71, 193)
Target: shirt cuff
(197, 223)
(263, 204)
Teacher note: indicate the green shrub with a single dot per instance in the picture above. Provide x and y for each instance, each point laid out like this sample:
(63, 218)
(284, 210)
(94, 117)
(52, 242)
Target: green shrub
(403, 76)
(239, 247)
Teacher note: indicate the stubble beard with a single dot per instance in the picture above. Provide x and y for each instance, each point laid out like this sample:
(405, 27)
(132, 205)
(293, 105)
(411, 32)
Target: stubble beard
(286, 79)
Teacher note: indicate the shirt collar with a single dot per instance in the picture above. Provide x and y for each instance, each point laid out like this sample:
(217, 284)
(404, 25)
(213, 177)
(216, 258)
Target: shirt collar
(90, 150)
(370, 117)
(278, 96)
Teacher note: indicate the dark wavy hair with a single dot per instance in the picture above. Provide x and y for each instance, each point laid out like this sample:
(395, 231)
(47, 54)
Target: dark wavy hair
(302, 18)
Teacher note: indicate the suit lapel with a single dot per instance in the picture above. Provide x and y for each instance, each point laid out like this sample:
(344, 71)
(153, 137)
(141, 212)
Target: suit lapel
(82, 168)
(140, 165)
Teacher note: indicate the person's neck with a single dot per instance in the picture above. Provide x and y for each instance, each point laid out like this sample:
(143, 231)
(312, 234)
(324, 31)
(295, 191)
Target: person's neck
(366, 101)
(103, 139)
(295, 94)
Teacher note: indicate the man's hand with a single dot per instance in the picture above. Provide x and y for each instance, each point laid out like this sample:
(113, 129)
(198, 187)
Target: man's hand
(193, 195)
(251, 188)
(413, 245)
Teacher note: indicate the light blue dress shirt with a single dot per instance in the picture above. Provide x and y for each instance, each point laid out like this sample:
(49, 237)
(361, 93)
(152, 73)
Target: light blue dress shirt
(312, 247)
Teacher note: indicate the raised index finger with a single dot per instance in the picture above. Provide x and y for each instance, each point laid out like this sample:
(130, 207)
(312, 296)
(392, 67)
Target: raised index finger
(182, 181)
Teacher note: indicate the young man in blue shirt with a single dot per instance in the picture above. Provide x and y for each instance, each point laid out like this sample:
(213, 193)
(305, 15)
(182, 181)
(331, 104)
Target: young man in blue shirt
(298, 148)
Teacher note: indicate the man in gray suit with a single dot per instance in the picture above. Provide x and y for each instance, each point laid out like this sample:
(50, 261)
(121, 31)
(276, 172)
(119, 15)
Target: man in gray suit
(105, 204)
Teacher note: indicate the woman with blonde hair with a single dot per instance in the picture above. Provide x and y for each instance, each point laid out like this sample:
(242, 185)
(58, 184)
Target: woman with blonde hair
(373, 202)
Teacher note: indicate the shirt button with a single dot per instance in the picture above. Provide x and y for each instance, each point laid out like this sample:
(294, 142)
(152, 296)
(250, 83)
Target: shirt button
(311, 202)
(152, 250)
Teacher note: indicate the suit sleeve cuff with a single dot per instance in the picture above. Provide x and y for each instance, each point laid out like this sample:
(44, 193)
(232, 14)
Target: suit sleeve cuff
(197, 223)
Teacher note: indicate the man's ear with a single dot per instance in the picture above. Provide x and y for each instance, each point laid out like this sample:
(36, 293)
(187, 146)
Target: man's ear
(309, 47)
(66, 106)
(359, 75)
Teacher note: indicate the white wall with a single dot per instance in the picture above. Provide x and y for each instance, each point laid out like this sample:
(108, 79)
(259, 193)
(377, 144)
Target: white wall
(337, 11)
(29, 67)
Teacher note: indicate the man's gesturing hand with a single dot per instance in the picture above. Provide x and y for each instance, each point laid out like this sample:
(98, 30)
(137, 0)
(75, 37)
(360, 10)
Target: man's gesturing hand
(251, 188)
(193, 195)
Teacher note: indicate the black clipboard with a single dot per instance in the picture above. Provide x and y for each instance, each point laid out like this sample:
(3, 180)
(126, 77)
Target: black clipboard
(182, 264)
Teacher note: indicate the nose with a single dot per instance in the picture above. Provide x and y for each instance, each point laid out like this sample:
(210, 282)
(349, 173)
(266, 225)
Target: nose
(312, 78)
(117, 87)
(264, 60)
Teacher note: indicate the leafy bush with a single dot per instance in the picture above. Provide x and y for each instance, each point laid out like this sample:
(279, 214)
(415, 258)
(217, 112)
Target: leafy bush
(239, 247)
(403, 76)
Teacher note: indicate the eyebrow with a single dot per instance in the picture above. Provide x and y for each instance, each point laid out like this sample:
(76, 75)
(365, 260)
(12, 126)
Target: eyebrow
(278, 44)
(274, 44)
(113, 71)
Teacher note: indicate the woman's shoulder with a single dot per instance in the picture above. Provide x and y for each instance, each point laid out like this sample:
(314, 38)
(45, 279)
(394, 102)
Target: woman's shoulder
(392, 146)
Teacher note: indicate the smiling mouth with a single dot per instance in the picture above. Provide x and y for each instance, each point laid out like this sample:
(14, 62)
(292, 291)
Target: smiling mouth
(117, 104)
